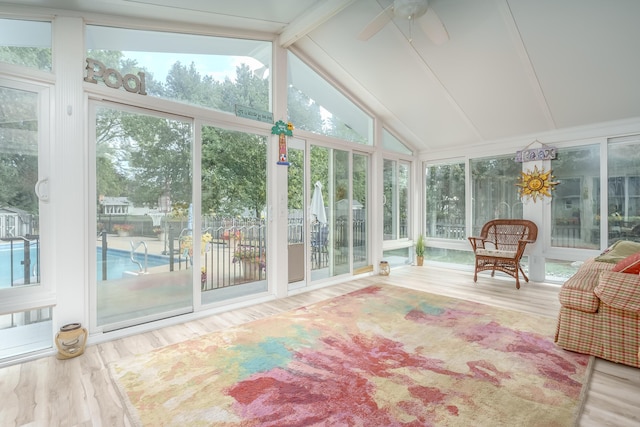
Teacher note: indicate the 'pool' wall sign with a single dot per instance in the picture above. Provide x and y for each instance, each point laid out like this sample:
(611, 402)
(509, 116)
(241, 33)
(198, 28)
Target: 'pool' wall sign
(96, 70)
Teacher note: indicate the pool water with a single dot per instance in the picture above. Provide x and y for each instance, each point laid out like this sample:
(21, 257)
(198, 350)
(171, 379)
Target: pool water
(119, 262)
(16, 266)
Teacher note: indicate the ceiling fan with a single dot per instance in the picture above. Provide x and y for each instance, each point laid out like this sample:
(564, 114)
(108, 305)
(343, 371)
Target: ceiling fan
(412, 10)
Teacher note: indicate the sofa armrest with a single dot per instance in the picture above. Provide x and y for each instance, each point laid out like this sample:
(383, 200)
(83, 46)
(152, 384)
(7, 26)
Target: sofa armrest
(619, 290)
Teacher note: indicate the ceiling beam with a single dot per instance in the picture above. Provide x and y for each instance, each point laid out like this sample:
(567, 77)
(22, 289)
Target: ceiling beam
(310, 20)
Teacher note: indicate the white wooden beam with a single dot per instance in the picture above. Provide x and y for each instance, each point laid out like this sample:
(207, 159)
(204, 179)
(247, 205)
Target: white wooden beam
(310, 20)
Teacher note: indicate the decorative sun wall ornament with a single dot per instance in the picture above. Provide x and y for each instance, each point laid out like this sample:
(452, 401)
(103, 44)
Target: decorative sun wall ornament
(283, 130)
(536, 183)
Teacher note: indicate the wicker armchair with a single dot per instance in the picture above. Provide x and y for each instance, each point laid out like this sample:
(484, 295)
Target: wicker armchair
(501, 245)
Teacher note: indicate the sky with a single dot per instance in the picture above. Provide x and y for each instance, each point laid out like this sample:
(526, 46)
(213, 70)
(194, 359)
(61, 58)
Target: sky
(218, 67)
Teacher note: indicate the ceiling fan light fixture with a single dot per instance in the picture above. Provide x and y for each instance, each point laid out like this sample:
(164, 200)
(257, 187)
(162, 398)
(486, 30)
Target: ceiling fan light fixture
(410, 9)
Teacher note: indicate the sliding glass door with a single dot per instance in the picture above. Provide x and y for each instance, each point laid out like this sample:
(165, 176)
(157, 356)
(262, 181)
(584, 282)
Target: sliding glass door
(233, 242)
(339, 194)
(143, 212)
(25, 315)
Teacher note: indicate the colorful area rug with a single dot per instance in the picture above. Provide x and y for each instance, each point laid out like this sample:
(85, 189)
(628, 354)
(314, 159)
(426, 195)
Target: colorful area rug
(381, 356)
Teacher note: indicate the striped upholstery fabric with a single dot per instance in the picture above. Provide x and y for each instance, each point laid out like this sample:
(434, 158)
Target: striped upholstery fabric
(600, 314)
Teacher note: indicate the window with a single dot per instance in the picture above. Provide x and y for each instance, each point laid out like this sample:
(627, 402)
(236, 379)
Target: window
(574, 215)
(26, 43)
(23, 218)
(144, 256)
(360, 210)
(234, 188)
(493, 190)
(395, 199)
(391, 143)
(623, 192)
(199, 70)
(445, 200)
(316, 106)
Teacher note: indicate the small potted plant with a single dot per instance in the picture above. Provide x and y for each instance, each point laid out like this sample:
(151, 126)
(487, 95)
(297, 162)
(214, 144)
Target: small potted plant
(420, 250)
(123, 230)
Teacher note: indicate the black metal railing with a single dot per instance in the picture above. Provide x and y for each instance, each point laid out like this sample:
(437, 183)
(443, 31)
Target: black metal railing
(21, 264)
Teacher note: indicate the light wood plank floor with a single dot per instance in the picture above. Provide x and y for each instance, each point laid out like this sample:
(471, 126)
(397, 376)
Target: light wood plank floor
(78, 392)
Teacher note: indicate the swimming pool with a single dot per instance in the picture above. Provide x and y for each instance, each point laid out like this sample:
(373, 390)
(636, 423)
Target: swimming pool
(119, 262)
(15, 266)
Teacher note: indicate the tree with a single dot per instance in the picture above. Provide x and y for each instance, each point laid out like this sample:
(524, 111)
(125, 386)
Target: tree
(233, 172)
(34, 57)
(19, 159)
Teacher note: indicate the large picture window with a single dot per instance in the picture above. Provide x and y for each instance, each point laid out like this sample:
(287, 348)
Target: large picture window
(316, 106)
(199, 70)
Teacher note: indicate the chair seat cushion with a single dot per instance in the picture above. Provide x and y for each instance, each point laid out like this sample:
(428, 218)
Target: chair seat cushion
(495, 253)
(578, 291)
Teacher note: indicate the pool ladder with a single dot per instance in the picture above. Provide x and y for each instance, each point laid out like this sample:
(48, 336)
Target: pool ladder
(134, 247)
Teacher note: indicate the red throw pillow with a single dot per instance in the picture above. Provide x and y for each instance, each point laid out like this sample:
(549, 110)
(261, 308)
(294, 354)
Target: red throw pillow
(630, 264)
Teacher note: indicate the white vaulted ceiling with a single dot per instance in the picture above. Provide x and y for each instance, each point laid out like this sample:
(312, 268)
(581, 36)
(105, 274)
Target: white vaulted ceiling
(509, 68)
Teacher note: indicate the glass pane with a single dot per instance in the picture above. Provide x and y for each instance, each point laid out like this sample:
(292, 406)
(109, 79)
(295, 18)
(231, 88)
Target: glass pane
(623, 196)
(321, 215)
(330, 245)
(316, 106)
(574, 216)
(360, 210)
(144, 212)
(391, 143)
(234, 188)
(24, 332)
(397, 257)
(199, 70)
(390, 200)
(403, 202)
(494, 192)
(26, 43)
(445, 196)
(341, 255)
(559, 271)
(296, 215)
(19, 211)
(449, 257)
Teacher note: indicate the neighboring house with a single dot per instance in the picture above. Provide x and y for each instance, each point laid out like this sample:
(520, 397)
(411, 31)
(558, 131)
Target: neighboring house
(15, 222)
(114, 205)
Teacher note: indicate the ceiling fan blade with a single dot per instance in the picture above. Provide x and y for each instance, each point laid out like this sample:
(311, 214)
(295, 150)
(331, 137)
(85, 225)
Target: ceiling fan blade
(376, 24)
(433, 27)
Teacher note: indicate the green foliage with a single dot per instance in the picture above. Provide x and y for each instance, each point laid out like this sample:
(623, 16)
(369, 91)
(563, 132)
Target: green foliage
(34, 57)
(420, 248)
(233, 172)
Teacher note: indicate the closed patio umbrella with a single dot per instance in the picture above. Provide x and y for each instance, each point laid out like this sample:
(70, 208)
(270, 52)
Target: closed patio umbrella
(317, 204)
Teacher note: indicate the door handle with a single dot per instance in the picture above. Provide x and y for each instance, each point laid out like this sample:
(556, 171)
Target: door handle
(42, 189)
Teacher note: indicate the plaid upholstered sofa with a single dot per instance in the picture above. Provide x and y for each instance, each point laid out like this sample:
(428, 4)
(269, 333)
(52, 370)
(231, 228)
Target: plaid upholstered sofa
(600, 307)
